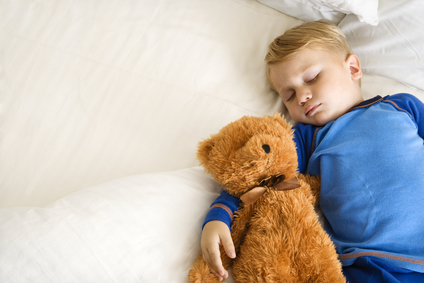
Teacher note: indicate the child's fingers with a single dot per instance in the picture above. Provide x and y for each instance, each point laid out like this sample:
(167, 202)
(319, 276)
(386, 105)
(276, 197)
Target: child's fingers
(227, 243)
(207, 259)
(211, 240)
(215, 261)
(219, 277)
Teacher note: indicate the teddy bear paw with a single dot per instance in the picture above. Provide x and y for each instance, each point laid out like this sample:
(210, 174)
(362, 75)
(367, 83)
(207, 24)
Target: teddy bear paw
(202, 277)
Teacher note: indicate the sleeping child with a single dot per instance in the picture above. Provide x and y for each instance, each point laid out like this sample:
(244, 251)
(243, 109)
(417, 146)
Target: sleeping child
(369, 155)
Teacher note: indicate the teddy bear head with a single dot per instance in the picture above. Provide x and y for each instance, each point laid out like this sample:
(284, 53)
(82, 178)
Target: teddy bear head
(249, 150)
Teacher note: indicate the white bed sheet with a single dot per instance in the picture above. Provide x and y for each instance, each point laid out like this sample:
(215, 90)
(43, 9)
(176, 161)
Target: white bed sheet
(98, 90)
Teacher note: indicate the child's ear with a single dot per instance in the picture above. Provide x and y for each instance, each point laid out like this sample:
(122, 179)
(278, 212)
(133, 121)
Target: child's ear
(355, 66)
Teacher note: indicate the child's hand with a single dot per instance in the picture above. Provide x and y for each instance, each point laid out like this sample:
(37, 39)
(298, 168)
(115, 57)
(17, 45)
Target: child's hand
(216, 233)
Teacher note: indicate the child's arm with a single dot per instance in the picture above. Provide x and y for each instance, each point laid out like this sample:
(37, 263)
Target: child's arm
(304, 137)
(412, 105)
(216, 232)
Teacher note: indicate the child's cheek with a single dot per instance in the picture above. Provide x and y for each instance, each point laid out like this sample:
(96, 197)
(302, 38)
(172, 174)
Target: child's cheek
(295, 114)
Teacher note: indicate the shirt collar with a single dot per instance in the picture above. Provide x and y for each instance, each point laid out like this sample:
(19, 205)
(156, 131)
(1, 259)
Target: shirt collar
(367, 103)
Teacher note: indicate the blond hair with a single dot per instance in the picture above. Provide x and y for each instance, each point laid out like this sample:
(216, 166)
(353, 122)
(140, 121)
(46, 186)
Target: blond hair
(320, 34)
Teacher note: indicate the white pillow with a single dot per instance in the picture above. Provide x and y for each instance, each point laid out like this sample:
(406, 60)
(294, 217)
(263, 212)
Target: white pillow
(365, 10)
(333, 10)
(144, 228)
(394, 48)
(305, 10)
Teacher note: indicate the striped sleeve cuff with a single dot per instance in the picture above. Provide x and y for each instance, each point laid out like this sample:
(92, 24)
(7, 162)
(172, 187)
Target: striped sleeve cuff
(221, 213)
(222, 209)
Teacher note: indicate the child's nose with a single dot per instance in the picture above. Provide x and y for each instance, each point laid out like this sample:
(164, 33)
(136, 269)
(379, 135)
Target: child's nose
(303, 96)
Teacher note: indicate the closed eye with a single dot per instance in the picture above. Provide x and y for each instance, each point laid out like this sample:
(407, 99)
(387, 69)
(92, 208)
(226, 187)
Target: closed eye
(313, 80)
(291, 96)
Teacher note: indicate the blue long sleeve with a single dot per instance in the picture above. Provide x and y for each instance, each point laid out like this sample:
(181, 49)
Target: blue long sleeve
(413, 106)
(222, 209)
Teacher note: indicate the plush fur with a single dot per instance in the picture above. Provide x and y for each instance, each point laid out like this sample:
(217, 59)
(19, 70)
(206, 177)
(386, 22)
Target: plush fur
(277, 238)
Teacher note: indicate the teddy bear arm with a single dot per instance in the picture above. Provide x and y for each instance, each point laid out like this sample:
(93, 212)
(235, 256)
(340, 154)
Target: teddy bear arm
(238, 228)
(314, 183)
(240, 225)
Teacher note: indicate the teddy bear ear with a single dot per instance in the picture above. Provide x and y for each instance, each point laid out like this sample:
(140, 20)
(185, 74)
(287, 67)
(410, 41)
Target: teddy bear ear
(280, 119)
(204, 149)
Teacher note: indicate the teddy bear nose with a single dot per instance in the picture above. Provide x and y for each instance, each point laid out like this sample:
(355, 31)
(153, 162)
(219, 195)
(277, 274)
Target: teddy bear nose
(266, 148)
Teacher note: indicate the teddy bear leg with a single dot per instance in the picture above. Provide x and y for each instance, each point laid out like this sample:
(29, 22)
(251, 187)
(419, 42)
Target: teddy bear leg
(332, 275)
(201, 273)
(264, 274)
(327, 274)
(330, 271)
(321, 265)
(314, 183)
(259, 262)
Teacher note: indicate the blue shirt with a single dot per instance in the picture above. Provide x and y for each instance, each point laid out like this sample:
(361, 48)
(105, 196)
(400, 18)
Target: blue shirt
(371, 163)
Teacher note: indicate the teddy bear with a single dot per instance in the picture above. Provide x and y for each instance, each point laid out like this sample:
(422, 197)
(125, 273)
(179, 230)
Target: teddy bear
(276, 230)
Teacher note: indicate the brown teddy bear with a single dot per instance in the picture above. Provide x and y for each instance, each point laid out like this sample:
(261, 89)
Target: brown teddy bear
(276, 232)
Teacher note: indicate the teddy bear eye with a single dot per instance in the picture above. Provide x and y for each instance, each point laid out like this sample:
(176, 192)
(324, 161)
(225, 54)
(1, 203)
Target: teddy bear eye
(266, 148)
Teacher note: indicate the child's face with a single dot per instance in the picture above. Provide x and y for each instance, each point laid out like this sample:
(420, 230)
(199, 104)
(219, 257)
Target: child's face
(316, 86)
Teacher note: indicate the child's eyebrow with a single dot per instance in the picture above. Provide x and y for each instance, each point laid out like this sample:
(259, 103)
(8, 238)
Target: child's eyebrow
(283, 89)
(303, 73)
(311, 69)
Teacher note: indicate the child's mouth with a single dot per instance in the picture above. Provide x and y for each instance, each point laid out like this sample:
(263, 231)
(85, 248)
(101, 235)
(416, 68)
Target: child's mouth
(310, 109)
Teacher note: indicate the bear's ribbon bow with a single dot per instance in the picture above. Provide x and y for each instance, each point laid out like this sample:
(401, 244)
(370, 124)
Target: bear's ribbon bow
(278, 182)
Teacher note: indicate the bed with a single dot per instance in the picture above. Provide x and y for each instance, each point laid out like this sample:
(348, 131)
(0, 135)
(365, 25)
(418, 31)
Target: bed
(104, 102)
